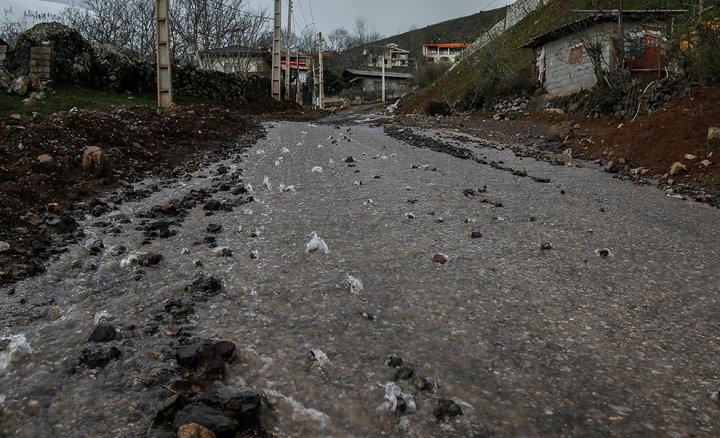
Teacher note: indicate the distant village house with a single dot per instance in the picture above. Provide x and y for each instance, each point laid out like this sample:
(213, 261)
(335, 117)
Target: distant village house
(578, 55)
(391, 55)
(443, 53)
(368, 83)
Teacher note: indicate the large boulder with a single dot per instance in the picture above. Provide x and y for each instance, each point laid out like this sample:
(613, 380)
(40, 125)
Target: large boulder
(72, 57)
(713, 137)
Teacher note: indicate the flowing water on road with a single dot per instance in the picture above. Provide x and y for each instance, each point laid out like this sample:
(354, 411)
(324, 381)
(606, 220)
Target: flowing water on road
(525, 341)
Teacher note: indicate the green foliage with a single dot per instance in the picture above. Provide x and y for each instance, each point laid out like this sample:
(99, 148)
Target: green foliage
(703, 59)
(429, 73)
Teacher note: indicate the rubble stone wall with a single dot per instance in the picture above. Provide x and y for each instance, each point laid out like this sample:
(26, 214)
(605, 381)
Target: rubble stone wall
(3, 55)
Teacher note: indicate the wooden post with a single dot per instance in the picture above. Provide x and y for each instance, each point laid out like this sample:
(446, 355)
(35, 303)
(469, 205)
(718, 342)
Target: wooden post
(164, 57)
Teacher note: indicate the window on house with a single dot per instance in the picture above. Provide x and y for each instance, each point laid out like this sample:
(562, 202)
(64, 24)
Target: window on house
(576, 54)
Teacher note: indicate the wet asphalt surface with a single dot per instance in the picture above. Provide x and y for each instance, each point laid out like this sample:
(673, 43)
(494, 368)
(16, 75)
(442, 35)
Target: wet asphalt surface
(525, 326)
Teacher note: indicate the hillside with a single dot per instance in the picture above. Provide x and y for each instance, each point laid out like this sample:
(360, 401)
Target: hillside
(461, 30)
(499, 66)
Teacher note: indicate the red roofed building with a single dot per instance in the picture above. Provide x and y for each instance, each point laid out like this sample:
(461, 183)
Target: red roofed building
(443, 53)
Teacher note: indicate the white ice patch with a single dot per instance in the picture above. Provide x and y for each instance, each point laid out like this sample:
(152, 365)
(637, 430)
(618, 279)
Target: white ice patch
(287, 151)
(100, 316)
(280, 402)
(17, 351)
(316, 244)
(356, 286)
(316, 169)
(392, 393)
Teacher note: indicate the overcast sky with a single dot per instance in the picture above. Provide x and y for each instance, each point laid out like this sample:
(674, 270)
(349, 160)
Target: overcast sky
(388, 17)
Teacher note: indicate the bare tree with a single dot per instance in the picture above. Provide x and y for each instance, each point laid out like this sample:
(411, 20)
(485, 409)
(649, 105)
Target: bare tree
(339, 40)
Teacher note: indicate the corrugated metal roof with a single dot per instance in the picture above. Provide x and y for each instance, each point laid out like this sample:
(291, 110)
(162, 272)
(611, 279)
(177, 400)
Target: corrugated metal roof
(448, 45)
(378, 74)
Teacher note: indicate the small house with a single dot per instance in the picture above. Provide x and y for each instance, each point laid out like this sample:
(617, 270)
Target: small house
(602, 48)
(391, 55)
(368, 83)
(443, 53)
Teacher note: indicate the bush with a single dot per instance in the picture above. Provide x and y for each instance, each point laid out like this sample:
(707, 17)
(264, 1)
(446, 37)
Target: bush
(429, 73)
(703, 60)
(437, 108)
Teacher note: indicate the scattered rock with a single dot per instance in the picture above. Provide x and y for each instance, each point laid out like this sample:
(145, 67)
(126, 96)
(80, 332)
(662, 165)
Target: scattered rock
(677, 168)
(350, 159)
(690, 157)
(713, 137)
(98, 357)
(103, 332)
(194, 430)
(546, 246)
(208, 417)
(446, 409)
(4, 246)
(603, 252)
(214, 228)
(207, 284)
(394, 361)
(475, 235)
(440, 258)
(206, 357)
(404, 372)
(95, 161)
(45, 158)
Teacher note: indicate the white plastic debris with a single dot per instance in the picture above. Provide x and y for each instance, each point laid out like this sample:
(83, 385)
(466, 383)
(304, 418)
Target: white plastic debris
(287, 151)
(356, 286)
(357, 183)
(332, 161)
(320, 146)
(260, 152)
(384, 157)
(249, 189)
(17, 351)
(247, 212)
(266, 184)
(304, 132)
(393, 393)
(100, 316)
(316, 169)
(369, 202)
(185, 251)
(319, 356)
(408, 188)
(290, 189)
(316, 244)
(277, 162)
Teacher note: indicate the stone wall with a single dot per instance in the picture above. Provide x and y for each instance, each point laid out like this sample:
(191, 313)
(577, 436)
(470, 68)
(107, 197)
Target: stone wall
(3, 55)
(41, 61)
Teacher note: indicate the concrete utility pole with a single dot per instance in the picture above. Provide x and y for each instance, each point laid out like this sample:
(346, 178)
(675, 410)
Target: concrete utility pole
(322, 76)
(298, 93)
(383, 77)
(164, 57)
(287, 57)
(276, 54)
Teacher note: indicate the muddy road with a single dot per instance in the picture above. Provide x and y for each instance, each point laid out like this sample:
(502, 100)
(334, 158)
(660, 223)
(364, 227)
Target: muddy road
(500, 295)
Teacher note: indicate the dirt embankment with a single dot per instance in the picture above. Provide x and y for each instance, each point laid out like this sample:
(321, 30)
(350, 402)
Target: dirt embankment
(45, 180)
(675, 133)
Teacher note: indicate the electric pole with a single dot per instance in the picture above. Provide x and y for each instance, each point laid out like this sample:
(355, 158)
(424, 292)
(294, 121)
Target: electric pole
(287, 57)
(276, 54)
(164, 57)
(322, 74)
(298, 94)
(383, 77)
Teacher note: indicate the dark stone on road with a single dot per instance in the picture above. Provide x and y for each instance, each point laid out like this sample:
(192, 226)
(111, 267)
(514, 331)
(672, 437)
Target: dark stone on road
(150, 259)
(404, 373)
(244, 407)
(476, 235)
(214, 228)
(208, 284)
(394, 361)
(212, 205)
(350, 159)
(440, 258)
(546, 246)
(447, 409)
(103, 332)
(424, 384)
(98, 357)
